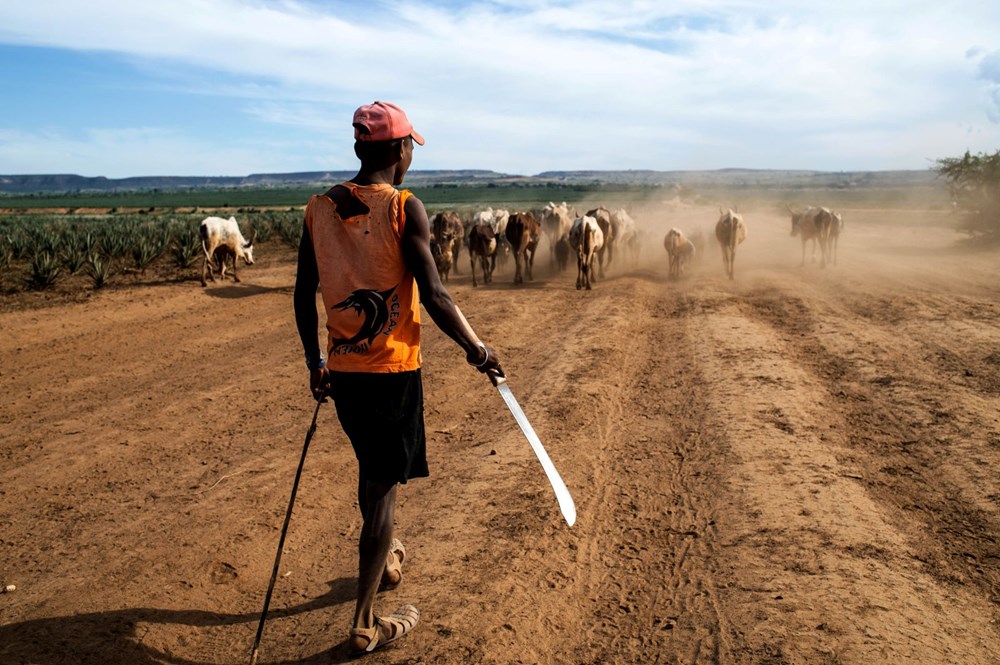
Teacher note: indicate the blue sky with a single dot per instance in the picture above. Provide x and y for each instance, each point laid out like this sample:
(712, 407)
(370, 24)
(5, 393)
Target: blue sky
(224, 87)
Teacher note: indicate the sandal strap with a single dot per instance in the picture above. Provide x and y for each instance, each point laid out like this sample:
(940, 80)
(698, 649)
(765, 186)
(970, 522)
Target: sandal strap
(398, 623)
(394, 564)
(370, 634)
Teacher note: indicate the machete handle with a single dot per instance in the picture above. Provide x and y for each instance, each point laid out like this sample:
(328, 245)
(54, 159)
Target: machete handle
(496, 376)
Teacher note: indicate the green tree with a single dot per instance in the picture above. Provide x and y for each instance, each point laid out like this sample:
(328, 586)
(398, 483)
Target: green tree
(975, 189)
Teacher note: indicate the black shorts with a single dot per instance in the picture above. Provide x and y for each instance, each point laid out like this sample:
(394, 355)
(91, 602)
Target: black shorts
(383, 416)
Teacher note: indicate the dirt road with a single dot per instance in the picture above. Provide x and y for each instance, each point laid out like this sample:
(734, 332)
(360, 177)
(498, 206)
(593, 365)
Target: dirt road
(798, 466)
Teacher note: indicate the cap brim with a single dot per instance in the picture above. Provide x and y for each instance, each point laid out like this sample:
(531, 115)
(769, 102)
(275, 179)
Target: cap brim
(417, 137)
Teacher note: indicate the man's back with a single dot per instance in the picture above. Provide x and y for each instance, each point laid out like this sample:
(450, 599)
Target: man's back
(370, 297)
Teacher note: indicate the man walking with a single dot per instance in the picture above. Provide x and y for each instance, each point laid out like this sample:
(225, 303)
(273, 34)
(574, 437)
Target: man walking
(368, 245)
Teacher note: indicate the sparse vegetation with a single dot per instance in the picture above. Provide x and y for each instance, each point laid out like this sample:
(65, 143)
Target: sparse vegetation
(74, 254)
(185, 246)
(290, 231)
(99, 269)
(145, 249)
(6, 254)
(45, 270)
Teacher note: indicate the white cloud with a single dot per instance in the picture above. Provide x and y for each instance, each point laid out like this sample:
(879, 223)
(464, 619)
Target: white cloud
(989, 71)
(523, 85)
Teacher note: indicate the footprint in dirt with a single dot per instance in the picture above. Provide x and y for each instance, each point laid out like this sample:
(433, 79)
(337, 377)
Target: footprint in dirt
(222, 573)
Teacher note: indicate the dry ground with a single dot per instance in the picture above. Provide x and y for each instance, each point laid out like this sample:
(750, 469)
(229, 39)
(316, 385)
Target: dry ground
(799, 466)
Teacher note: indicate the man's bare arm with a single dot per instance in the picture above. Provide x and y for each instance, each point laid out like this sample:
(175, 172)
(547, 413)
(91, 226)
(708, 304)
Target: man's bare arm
(434, 296)
(306, 281)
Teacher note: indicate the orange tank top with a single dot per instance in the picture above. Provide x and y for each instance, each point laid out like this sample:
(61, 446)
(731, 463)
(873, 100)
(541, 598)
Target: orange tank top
(370, 296)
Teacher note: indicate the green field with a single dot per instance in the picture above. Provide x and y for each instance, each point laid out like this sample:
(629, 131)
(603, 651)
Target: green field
(437, 195)
(521, 196)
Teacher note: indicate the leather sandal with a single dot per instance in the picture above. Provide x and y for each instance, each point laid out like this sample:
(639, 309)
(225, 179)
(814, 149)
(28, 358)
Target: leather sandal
(386, 630)
(393, 573)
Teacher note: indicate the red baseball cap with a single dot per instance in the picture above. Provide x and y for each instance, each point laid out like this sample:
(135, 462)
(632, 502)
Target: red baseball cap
(383, 121)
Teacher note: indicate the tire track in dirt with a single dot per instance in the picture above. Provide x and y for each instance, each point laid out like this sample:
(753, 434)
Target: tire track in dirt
(903, 418)
(646, 565)
(676, 582)
(861, 603)
(631, 582)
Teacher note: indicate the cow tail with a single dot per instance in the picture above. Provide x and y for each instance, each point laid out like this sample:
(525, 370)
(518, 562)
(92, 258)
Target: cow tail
(203, 232)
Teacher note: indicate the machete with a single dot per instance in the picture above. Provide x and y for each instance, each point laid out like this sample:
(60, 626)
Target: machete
(566, 504)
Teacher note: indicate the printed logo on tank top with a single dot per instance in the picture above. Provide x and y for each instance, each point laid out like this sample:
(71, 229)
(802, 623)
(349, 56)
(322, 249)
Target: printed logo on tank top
(380, 313)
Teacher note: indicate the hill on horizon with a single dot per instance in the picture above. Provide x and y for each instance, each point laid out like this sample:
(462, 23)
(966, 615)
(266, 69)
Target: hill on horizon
(732, 177)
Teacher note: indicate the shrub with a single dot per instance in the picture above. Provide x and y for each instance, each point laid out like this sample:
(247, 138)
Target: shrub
(42, 240)
(44, 271)
(6, 254)
(99, 269)
(115, 243)
(73, 259)
(74, 256)
(975, 189)
(186, 247)
(262, 228)
(145, 250)
(20, 244)
(290, 231)
(88, 242)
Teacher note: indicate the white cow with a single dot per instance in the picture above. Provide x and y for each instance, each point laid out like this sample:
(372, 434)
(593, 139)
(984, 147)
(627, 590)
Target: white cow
(626, 236)
(496, 220)
(221, 238)
(556, 222)
(500, 219)
(586, 237)
(602, 216)
(730, 231)
(836, 227)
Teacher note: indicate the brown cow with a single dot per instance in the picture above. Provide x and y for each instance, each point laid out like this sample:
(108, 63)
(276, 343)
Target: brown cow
(813, 224)
(523, 234)
(562, 251)
(680, 251)
(730, 231)
(449, 223)
(482, 244)
(441, 250)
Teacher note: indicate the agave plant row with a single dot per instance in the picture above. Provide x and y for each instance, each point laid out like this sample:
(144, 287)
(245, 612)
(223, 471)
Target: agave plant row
(37, 250)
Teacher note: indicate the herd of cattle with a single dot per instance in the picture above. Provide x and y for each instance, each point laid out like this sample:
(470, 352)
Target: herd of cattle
(492, 235)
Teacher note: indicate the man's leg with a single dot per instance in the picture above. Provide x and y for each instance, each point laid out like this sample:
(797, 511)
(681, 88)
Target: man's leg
(378, 503)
